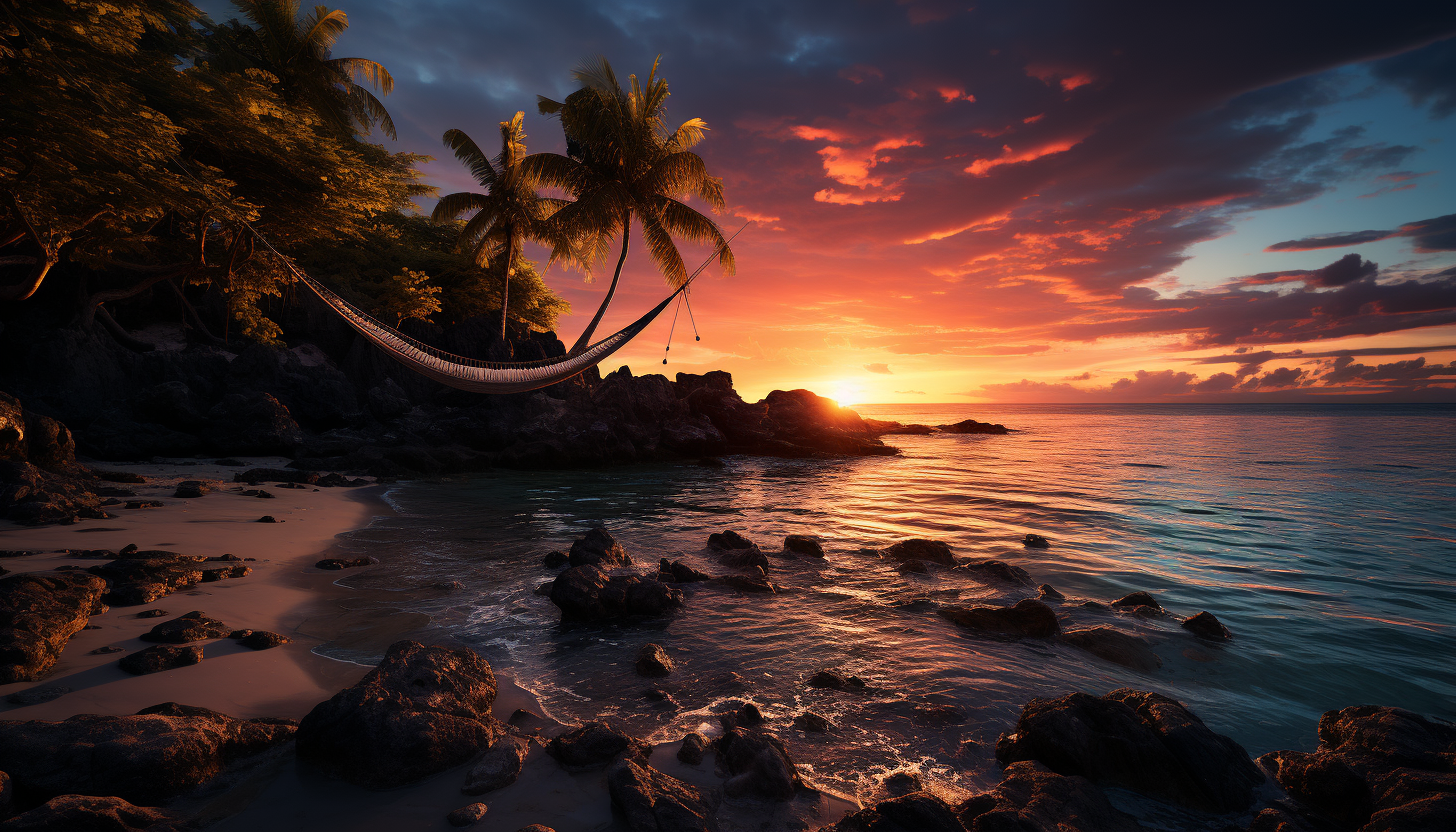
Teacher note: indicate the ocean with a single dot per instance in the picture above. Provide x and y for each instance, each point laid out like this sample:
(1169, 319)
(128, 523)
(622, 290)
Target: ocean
(1324, 538)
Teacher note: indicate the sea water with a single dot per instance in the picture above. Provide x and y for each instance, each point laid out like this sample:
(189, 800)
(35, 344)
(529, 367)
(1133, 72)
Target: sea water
(1323, 537)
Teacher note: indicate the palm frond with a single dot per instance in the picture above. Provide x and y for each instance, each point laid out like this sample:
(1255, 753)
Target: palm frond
(664, 251)
(322, 28)
(373, 72)
(690, 224)
(472, 156)
(455, 206)
(364, 103)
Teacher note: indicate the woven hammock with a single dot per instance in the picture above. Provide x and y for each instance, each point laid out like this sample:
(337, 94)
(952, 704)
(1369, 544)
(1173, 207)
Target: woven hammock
(473, 374)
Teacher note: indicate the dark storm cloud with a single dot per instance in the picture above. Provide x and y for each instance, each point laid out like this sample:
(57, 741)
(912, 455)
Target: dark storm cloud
(1345, 370)
(1427, 75)
(1347, 269)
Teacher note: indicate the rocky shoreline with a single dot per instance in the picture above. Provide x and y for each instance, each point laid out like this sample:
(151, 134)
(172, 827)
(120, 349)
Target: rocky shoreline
(429, 713)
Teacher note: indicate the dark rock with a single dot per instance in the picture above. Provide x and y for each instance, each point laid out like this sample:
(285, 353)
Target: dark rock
(728, 541)
(239, 635)
(972, 426)
(346, 563)
(252, 424)
(467, 815)
(1137, 599)
(253, 476)
(1032, 799)
(536, 827)
(593, 745)
(1324, 783)
(1135, 740)
(1278, 819)
(147, 759)
(229, 462)
(938, 715)
(152, 614)
(160, 657)
(499, 767)
(651, 801)
(260, 494)
(421, 711)
(191, 489)
(736, 551)
(680, 572)
(267, 518)
(915, 567)
(194, 626)
(1393, 736)
(916, 812)
(1432, 813)
(588, 593)
(746, 583)
(262, 640)
(1047, 592)
(1206, 626)
(902, 783)
(758, 765)
(659, 696)
(998, 570)
(837, 681)
(932, 551)
(802, 544)
(652, 660)
(102, 651)
(748, 715)
(224, 572)
(554, 560)
(36, 696)
(79, 813)
(1115, 646)
(810, 722)
(136, 504)
(694, 749)
(33, 496)
(1029, 618)
(598, 547)
(1035, 541)
(38, 616)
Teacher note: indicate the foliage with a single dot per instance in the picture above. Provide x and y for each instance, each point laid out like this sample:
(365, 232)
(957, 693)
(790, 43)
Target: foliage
(408, 295)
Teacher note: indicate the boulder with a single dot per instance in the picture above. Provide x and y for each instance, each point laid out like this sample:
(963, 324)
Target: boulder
(758, 765)
(467, 815)
(801, 544)
(555, 560)
(193, 626)
(834, 680)
(499, 767)
(48, 443)
(736, 551)
(598, 548)
(932, 551)
(997, 570)
(1047, 592)
(812, 723)
(679, 572)
(1029, 617)
(421, 711)
(1031, 798)
(590, 594)
(651, 801)
(1035, 541)
(79, 813)
(1324, 783)
(694, 748)
(1206, 626)
(147, 759)
(1135, 740)
(594, 745)
(1115, 646)
(653, 661)
(158, 658)
(136, 579)
(1137, 599)
(915, 812)
(190, 489)
(38, 615)
(902, 783)
(262, 640)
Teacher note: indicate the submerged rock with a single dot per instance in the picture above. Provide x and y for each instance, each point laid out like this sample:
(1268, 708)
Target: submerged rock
(653, 661)
(147, 759)
(997, 570)
(555, 560)
(595, 744)
(38, 616)
(1030, 618)
(802, 544)
(590, 594)
(655, 802)
(421, 711)
(1035, 541)
(499, 767)
(193, 626)
(932, 551)
(812, 723)
(1135, 740)
(1115, 646)
(1137, 599)
(597, 547)
(834, 680)
(1206, 626)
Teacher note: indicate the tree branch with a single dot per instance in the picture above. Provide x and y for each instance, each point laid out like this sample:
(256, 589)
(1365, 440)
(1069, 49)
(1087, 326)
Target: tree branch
(121, 335)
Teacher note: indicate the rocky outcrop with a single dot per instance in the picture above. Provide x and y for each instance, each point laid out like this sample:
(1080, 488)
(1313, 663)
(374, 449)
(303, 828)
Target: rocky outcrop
(1028, 618)
(1030, 798)
(587, 593)
(147, 759)
(1136, 740)
(34, 496)
(38, 615)
(758, 765)
(79, 813)
(143, 577)
(594, 745)
(1115, 646)
(972, 426)
(651, 801)
(598, 548)
(421, 711)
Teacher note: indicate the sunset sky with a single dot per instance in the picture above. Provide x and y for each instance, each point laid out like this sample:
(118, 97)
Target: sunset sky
(1035, 202)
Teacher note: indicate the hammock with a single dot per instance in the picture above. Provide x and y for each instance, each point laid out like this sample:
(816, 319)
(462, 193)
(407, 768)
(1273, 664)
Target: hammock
(473, 374)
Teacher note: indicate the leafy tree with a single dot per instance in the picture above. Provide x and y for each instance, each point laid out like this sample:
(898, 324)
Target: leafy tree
(509, 213)
(623, 161)
(409, 295)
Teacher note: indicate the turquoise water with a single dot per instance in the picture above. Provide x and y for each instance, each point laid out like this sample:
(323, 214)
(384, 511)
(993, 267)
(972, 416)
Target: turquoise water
(1324, 537)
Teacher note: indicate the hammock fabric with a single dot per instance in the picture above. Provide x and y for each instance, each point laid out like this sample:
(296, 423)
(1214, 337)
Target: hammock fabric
(473, 374)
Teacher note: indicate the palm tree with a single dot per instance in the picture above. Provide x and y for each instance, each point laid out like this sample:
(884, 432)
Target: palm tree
(297, 52)
(623, 162)
(508, 213)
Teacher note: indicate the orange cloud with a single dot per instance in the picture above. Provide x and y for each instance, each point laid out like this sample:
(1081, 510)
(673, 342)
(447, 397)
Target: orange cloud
(1011, 157)
(955, 94)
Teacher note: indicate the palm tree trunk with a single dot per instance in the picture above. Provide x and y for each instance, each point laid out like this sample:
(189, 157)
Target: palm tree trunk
(585, 340)
(506, 282)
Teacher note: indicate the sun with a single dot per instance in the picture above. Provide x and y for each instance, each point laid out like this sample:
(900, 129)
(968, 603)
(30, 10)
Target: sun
(845, 392)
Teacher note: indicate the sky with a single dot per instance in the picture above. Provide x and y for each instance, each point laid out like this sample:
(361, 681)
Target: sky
(1007, 201)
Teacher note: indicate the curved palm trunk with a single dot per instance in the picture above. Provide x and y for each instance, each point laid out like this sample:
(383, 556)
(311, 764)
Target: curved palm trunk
(506, 283)
(586, 334)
